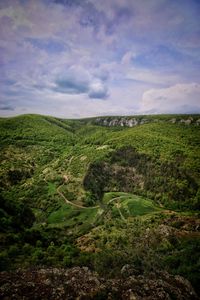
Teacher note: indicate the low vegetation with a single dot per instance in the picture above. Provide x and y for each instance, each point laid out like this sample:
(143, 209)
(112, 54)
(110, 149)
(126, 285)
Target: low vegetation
(74, 192)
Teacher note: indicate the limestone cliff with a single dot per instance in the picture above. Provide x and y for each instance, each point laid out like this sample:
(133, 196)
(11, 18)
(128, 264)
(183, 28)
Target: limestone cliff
(140, 120)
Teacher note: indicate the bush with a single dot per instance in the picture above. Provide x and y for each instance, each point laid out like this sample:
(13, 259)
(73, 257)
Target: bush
(4, 261)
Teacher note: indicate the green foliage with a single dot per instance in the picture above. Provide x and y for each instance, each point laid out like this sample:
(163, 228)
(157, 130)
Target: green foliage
(130, 171)
(125, 178)
(185, 260)
(15, 216)
(4, 260)
(95, 180)
(110, 260)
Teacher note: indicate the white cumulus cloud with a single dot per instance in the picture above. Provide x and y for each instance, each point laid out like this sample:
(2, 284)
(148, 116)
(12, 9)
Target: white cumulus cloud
(98, 90)
(179, 98)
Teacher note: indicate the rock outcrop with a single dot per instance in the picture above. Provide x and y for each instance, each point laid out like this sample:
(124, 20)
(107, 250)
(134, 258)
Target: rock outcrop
(139, 120)
(81, 283)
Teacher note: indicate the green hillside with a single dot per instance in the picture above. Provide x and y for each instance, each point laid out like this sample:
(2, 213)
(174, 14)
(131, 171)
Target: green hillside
(76, 192)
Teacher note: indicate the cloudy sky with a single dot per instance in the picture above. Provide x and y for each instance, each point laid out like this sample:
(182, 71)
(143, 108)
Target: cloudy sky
(80, 58)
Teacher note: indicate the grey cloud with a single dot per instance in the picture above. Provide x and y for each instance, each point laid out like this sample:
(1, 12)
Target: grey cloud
(98, 94)
(74, 80)
(70, 86)
(79, 81)
(7, 107)
(102, 74)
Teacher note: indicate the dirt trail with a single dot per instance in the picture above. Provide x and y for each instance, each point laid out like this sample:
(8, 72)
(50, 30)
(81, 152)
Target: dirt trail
(116, 198)
(71, 203)
(120, 212)
(66, 179)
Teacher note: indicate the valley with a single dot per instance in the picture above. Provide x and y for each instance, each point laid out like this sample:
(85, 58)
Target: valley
(87, 194)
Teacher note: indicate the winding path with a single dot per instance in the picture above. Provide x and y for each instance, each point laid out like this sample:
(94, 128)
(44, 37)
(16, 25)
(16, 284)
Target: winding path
(71, 203)
(66, 179)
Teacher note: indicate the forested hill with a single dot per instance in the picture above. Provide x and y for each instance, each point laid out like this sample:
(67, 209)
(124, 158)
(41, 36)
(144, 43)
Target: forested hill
(164, 155)
(92, 192)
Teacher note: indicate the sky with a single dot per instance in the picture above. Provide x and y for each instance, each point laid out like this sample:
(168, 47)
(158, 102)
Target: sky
(82, 58)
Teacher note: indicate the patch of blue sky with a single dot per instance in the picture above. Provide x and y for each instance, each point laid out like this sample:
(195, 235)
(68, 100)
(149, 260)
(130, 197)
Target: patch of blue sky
(51, 46)
(9, 82)
(90, 17)
(160, 56)
(68, 2)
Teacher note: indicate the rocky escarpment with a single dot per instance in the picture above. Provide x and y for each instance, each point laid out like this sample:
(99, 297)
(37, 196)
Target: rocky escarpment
(140, 120)
(81, 283)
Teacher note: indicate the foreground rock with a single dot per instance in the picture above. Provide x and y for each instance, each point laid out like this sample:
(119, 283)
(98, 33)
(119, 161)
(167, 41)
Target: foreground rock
(81, 283)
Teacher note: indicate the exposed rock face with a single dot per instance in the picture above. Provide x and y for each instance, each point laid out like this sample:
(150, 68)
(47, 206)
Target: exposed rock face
(198, 122)
(81, 283)
(187, 121)
(133, 121)
(120, 121)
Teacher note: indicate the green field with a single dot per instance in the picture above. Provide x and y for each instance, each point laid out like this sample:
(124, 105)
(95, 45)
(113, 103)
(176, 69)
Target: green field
(130, 206)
